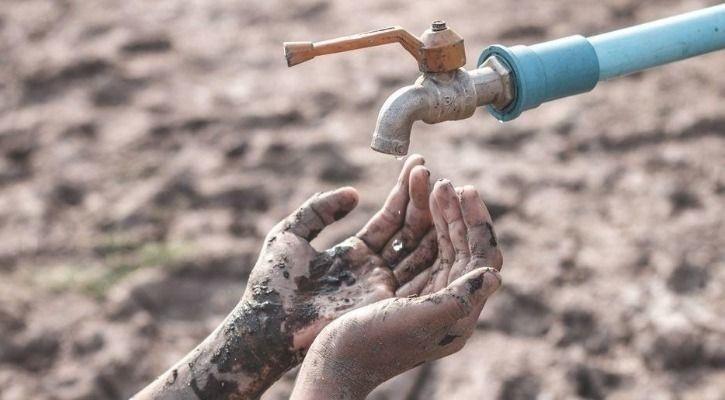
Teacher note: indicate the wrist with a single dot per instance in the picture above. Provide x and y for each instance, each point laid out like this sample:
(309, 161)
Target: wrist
(325, 374)
(327, 383)
(251, 342)
(242, 358)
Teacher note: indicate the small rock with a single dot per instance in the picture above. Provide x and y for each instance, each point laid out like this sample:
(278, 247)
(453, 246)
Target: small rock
(88, 342)
(519, 314)
(520, 387)
(687, 278)
(676, 350)
(67, 193)
(148, 44)
(593, 383)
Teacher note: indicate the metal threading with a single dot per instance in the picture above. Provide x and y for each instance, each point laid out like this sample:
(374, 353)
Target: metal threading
(437, 26)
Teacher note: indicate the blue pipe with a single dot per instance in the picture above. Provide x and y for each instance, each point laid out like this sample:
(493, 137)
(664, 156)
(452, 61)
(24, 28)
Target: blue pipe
(574, 64)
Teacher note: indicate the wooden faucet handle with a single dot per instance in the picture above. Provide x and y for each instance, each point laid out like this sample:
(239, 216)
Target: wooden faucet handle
(298, 52)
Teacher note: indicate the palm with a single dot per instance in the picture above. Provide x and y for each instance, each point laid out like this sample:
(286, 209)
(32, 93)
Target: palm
(315, 287)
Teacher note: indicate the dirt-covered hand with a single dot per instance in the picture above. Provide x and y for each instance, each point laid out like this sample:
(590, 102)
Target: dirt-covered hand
(294, 290)
(370, 345)
(302, 289)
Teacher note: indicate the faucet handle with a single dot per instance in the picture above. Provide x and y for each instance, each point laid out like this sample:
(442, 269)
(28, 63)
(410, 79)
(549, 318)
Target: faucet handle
(440, 50)
(298, 52)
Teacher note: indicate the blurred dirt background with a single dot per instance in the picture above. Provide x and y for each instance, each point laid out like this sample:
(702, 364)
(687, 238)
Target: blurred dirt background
(147, 146)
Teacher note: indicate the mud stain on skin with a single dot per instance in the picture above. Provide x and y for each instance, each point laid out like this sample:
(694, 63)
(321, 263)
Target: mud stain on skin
(172, 377)
(492, 241)
(328, 271)
(313, 234)
(261, 317)
(304, 284)
(282, 266)
(433, 299)
(344, 304)
(340, 214)
(304, 314)
(447, 339)
(253, 341)
(474, 284)
(215, 389)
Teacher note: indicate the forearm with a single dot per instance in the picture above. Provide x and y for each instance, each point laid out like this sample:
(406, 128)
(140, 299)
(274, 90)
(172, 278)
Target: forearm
(243, 357)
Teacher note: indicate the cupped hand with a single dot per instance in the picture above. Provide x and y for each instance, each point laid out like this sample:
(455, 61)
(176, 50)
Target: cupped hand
(365, 347)
(306, 289)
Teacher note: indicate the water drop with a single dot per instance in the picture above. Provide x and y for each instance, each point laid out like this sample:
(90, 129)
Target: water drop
(400, 158)
(397, 245)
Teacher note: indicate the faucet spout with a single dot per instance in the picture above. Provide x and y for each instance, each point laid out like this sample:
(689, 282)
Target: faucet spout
(438, 97)
(395, 120)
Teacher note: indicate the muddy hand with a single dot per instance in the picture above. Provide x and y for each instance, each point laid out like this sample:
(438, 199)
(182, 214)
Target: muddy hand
(294, 290)
(370, 345)
(313, 288)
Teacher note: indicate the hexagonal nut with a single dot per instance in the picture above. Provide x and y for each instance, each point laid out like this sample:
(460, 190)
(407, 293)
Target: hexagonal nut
(509, 90)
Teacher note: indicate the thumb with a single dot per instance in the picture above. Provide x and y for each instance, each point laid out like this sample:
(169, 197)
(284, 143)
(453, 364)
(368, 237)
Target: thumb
(447, 306)
(469, 292)
(321, 210)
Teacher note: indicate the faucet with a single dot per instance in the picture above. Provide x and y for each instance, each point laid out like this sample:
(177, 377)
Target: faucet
(445, 91)
(510, 80)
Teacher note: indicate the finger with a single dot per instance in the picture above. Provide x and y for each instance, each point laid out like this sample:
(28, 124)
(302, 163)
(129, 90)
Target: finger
(414, 286)
(477, 221)
(432, 278)
(417, 218)
(446, 251)
(389, 219)
(354, 256)
(383, 282)
(481, 236)
(320, 210)
(489, 280)
(420, 259)
(464, 295)
(450, 206)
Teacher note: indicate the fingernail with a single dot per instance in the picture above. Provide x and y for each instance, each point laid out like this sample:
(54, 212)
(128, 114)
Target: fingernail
(493, 274)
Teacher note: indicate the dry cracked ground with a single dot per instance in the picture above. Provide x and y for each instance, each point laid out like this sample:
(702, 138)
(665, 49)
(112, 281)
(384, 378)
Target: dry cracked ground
(147, 146)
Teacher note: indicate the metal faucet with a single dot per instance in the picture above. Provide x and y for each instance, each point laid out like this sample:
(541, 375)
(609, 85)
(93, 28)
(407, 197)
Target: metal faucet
(510, 80)
(444, 92)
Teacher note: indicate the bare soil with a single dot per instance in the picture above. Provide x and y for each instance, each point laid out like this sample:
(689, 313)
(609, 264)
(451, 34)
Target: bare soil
(146, 147)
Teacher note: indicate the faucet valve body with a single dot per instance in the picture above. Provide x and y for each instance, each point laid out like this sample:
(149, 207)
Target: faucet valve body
(433, 98)
(438, 97)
